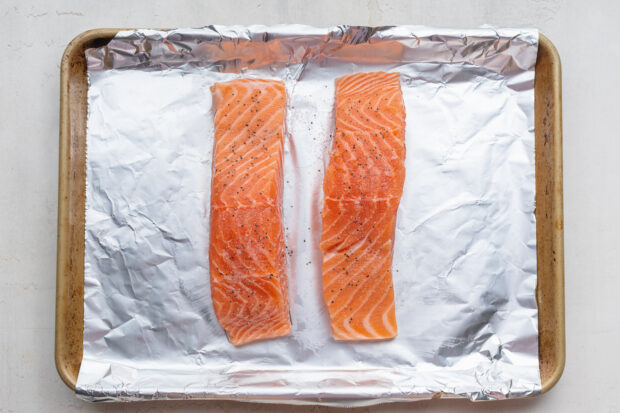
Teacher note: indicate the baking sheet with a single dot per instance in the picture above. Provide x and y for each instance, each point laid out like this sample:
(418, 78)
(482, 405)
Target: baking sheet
(465, 257)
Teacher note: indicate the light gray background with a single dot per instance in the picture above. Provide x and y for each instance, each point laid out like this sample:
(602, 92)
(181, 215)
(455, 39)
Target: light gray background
(33, 36)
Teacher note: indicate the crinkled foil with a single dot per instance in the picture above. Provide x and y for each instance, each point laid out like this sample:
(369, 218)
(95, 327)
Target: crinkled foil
(465, 248)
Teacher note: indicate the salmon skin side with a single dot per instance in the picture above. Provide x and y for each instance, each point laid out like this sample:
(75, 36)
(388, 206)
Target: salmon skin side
(247, 255)
(362, 188)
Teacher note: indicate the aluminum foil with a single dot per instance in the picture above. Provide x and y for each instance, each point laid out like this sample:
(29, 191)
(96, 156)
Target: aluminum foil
(465, 248)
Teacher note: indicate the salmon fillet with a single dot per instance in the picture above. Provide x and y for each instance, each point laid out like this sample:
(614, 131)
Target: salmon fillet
(362, 188)
(247, 258)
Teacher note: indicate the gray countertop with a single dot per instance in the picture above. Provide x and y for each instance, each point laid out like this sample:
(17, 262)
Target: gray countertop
(33, 37)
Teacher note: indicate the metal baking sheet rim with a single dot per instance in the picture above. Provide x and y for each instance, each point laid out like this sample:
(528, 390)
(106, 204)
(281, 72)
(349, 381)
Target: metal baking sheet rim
(62, 351)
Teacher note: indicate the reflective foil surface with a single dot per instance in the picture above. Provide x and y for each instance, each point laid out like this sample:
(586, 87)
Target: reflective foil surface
(465, 250)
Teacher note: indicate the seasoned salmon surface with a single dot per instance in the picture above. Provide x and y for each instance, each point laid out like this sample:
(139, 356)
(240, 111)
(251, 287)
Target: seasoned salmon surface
(362, 188)
(247, 259)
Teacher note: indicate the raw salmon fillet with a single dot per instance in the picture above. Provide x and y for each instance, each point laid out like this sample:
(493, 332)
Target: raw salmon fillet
(362, 189)
(247, 258)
